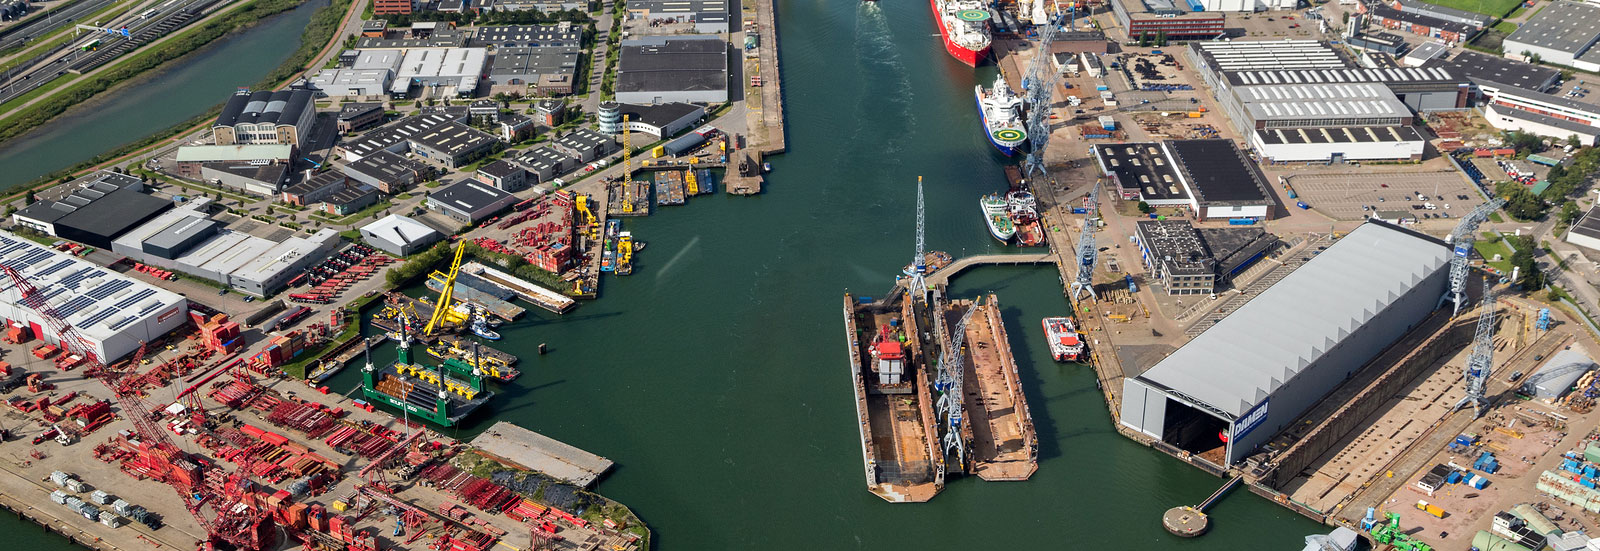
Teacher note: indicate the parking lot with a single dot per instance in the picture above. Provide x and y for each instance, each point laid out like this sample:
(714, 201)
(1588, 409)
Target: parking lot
(1352, 196)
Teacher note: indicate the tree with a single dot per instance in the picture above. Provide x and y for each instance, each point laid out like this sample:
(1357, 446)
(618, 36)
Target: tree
(1570, 212)
(11, 209)
(1528, 275)
(1346, 18)
(30, 199)
(1144, 207)
(1574, 142)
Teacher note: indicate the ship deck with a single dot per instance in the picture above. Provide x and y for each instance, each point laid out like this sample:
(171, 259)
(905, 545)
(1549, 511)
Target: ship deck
(898, 434)
(419, 394)
(1004, 446)
(491, 304)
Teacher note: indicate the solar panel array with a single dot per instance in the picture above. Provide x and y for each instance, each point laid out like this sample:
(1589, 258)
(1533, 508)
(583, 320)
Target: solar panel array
(96, 300)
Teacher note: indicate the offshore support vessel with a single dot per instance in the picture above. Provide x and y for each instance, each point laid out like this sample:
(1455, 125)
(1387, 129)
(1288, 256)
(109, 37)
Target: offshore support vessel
(443, 394)
(899, 441)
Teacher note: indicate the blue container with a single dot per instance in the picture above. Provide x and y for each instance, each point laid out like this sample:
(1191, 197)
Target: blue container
(1455, 477)
(1153, 216)
(1479, 482)
(1079, 210)
(1132, 287)
(1241, 221)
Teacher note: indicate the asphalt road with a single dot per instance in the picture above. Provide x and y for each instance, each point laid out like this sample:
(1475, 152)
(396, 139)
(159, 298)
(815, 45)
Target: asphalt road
(57, 67)
(20, 34)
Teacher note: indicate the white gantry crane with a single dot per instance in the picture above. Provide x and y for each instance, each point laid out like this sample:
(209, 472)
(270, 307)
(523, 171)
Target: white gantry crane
(1461, 242)
(950, 384)
(1482, 360)
(1038, 92)
(917, 283)
(1087, 253)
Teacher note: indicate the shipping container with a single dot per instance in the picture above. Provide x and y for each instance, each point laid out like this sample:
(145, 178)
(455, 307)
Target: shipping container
(1543, 160)
(1430, 509)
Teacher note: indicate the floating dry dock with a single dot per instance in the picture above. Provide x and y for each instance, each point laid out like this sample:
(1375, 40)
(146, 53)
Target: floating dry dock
(534, 294)
(1004, 447)
(541, 453)
(899, 444)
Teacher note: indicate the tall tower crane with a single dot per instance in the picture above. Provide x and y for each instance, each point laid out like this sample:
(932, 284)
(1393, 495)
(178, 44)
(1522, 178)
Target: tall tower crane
(916, 272)
(1482, 360)
(1088, 255)
(1038, 91)
(627, 168)
(950, 384)
(163, 455)
(1461, 242)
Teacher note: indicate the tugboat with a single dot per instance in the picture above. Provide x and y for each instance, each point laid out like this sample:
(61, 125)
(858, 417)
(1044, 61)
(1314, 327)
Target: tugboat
(1065, 345)
(996, 216)
(480, 326)
(1023, 210)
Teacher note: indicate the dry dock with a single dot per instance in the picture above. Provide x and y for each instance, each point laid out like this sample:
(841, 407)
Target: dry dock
(1004, 446)
(899, 441)
(542, 453)
(534, 294)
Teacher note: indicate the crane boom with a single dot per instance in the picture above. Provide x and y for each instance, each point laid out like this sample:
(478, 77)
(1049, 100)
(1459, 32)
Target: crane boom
(1088, 255)
(1038, 85)
(1482, 359)
(950, 383)
(918, 269)
(446, 292)
(1461, 244)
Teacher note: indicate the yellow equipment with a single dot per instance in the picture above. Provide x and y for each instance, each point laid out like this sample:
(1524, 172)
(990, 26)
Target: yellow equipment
(588, 217)
(625, 248)
(442, 310)
(694, 185)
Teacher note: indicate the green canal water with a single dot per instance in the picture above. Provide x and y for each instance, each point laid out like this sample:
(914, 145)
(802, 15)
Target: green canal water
(717, 376)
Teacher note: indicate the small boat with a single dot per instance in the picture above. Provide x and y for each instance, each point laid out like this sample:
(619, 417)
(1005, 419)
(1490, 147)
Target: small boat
(995, 215)
(1065, 346)
(1024, 212)
(1340, 539)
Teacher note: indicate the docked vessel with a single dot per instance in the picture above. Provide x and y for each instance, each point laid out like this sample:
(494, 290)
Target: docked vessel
(997, 217)
(1065, 345)
(964, 25)
(625, 249)
(608, 254)
(1340, 539)
(443, 394)
(899, 444)
(1001, 111)
(490, 362)
(1023, 210)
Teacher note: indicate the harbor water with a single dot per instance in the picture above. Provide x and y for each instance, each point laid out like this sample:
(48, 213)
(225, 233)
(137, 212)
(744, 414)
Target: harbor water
(155, 101)
(717, 376)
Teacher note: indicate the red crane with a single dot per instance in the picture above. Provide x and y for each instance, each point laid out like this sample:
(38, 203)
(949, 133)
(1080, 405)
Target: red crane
(161, 454)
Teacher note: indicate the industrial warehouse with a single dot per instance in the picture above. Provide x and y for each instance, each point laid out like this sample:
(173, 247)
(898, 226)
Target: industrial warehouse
(1212, 179)
(1234, 387)
(112, 312)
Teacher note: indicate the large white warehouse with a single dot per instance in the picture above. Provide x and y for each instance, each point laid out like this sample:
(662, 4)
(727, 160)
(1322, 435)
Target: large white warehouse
(1238, 384)
(113, 312)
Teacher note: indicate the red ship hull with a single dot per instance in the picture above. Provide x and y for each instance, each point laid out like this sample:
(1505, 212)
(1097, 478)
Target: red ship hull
(965, 55)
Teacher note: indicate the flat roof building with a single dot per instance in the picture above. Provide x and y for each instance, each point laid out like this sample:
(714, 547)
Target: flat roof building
(503, 175)
(95, 212)
(1508, 107)
(1231, 389)
(112, 312)
(387, 172)
(265, 117)
(1141, 170)
(1211, 178)
(525, 66)
(352, 82)
(469, 201)
(662, 121)
(453, 144)
(544, 163)
(359, 116)
(1339, 143)
(586, 145)
(1417, 23)
(563, 33)
(454, 69)
(1586, 232)
(1560, 33)
(708, 16)
(661, 69)
(1479, 68)
(1473, 19)
(394, 137)
(399, 235)
(1190, 261)
(1153, 18)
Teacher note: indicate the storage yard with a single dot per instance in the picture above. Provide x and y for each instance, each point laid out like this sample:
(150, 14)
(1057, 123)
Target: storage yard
(1425, 195)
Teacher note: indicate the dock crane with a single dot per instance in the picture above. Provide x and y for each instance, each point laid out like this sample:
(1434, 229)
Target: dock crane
(1088, 255)
(1482, 359)
(443, 307)
(950, 384)
(1461, 242)
(918, 270)
(1038, 85)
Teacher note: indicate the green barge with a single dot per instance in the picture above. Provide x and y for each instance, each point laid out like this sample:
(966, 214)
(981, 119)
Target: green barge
(443, 395)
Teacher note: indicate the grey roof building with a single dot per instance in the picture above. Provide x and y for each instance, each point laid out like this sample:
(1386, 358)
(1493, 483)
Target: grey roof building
(1475, 20)
(400, 236)
(253, 178)
(708, 16)
(352, 82)
(469, 201)
(586, 145)
(544, 163)
(1191, 261)
(504, 36)
(661, 120)
(96, 211)
(522, 65)
(1563, 369)
(393, 136)
(1260, 368)
(453, 144)
(265, 117)
(1480, 68)
(1559, 33)
(504, 175)
(441, 38)
(388, 172)
(692, 69)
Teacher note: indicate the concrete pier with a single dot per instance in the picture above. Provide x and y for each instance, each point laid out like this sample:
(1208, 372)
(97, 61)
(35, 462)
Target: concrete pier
(541, 453)
(1185, 521)
(765, 120)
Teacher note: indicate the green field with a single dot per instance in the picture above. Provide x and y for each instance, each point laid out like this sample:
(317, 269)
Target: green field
(1506, 27)
(1496, 8)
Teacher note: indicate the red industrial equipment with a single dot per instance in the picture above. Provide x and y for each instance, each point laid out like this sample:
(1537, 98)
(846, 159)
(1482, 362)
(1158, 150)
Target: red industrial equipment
(158, 456)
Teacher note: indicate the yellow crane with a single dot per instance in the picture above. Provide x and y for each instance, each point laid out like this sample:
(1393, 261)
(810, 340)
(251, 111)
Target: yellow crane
(442, 308)
(588, 217)
(627, 168)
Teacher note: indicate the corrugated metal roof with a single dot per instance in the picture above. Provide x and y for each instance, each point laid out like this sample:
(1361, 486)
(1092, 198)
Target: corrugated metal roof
(1264, 344)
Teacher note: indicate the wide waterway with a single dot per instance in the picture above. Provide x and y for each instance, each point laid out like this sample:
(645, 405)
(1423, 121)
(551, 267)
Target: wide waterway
(717, 376)
(156, 101)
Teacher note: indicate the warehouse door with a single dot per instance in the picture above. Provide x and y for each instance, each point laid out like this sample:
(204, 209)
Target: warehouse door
(37, 331)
